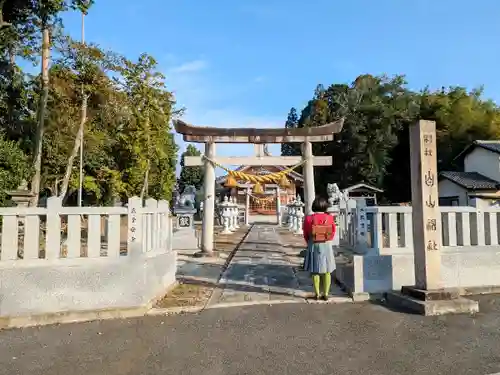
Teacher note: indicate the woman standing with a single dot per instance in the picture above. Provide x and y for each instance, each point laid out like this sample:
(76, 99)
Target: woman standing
(319, 230)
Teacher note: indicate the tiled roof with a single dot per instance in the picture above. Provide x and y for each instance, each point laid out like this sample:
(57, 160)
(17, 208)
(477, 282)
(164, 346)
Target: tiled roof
(471, 180)
(489, 145)
(493, 146)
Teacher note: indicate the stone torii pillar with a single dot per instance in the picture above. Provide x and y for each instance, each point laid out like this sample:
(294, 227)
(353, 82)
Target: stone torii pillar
(211, 135)
(309, 190)
(207, 225)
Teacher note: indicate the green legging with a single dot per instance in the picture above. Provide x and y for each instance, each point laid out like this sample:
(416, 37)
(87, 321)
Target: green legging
(327, 282)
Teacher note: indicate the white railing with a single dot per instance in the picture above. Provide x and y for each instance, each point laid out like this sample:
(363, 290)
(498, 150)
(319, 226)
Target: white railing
(55, 232)
(390, 231)
(345, 220)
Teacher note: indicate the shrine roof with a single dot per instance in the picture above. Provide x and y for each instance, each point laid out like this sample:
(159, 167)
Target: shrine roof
(363, 187)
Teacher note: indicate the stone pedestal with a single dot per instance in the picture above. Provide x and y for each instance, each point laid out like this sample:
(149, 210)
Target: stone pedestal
(226, 216)
(427, 297)
(232, 215)
(21, 197)
(432, 302)
(247, 207)
(334, 210)
(236, 214)
(292, 219)
(278, 205)
(362, 227)
(184, 238)
(299, 215)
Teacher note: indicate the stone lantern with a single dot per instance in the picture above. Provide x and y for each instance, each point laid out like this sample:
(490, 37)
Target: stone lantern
(22, 195)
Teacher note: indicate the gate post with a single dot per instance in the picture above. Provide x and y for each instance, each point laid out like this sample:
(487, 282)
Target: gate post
(207, 231)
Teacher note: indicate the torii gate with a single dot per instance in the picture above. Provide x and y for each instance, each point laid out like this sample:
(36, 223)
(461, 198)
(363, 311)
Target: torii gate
(211, 135)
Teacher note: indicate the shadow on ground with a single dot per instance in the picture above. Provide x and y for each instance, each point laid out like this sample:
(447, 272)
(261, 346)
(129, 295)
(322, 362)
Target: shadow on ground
(233, 286)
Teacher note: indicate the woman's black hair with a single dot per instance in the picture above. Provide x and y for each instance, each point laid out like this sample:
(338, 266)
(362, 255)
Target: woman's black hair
(320, 204)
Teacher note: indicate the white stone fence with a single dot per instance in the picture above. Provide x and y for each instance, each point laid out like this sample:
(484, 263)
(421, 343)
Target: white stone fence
(389, 229)
(381, 240)
(57, 232)
(73, 259)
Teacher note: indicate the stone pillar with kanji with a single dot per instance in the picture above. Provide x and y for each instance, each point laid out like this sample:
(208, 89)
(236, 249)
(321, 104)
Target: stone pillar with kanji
(426, 217)
(427, 296)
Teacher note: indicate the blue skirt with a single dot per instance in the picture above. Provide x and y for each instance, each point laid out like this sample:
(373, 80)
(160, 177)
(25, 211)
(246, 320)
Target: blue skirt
(319, 258)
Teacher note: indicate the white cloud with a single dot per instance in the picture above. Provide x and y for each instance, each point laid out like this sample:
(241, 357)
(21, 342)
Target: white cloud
(189, 67)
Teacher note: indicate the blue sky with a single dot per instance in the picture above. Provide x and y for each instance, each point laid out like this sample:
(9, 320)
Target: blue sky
(245, 63)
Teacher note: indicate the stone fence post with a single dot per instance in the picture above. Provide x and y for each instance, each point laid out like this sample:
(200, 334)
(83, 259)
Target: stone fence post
(134, 240)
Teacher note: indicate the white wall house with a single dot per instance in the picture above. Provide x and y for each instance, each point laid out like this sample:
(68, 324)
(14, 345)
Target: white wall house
(479, 183)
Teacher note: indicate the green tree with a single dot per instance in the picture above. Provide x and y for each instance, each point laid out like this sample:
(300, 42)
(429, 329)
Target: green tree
(14, 167)
(63, 122)
(83, 65)
(291, 149)
(461, 117)
(18, 39)
(149, 153)
(129, 148)
(190, 175)
(374, 109)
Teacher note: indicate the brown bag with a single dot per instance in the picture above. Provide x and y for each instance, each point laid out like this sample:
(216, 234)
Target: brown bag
(322, 229)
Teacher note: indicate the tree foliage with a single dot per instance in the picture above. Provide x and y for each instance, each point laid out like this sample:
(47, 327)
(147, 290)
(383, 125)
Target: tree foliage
(190, 175)
(373, 146)
(292, 122)
(127, 142)
(14, 167)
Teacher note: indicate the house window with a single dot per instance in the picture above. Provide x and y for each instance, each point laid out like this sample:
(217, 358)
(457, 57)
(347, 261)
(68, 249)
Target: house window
(448, 201)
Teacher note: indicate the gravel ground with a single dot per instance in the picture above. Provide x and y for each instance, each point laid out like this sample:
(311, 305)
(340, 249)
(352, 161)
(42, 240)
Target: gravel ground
(283, 339)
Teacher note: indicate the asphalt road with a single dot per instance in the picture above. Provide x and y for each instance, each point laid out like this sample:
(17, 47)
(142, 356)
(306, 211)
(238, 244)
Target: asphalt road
(281, 339)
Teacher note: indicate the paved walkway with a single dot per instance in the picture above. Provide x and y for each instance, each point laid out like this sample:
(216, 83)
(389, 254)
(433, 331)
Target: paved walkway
(263, 270)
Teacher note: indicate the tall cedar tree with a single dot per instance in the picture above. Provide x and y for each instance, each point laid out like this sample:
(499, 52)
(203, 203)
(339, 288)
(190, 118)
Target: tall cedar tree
(190, 175)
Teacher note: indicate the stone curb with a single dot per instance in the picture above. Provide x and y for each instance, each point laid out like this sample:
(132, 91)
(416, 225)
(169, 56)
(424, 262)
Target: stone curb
(331, 301)
(174, 310)
(69, 317)
(196, 309)
(253, 303)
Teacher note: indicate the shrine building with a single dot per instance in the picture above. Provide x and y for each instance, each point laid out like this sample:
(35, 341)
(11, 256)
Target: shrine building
(263, 203)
